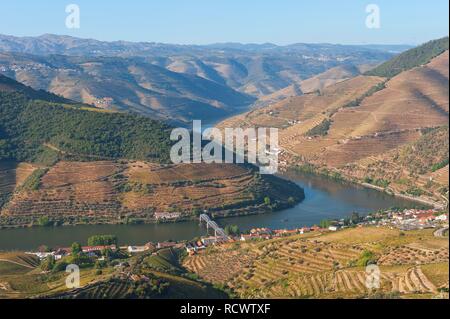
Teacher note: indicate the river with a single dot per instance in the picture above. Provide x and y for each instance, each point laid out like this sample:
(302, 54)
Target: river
(325, 199)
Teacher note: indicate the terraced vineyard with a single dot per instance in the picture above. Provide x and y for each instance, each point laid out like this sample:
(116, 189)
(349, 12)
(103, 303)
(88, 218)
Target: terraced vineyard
(418, 255)
(12, 176)
(221, 265)
(326, 265)
(111, 191)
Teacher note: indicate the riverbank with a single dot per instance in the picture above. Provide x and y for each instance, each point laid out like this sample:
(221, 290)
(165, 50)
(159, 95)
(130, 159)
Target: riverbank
(339, 177)
(429, 202)
(9, 222)
(324, 199)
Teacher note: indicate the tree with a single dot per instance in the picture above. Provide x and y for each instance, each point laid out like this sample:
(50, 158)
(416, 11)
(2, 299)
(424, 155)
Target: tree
(76, 248)
(367, 257)
(44, 221)
(355, 218)
(44, 249)
(232, 230)
(325, 223)
(102, 240)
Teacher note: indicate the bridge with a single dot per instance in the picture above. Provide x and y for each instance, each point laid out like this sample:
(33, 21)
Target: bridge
(218, 231)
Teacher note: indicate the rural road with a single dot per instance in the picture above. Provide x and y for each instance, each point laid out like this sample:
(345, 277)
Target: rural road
(440, 232)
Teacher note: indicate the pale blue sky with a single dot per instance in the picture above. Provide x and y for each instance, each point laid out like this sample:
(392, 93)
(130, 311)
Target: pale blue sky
(211, 21)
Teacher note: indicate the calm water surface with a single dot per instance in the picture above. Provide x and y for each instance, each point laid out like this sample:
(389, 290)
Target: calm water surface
(325, 199)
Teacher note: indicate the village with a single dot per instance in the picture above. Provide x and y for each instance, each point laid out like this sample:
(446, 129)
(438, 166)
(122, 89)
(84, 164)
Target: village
(405, 220)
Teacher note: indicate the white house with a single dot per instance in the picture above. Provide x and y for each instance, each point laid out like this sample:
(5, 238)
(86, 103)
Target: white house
(333, 228)
(136, 249)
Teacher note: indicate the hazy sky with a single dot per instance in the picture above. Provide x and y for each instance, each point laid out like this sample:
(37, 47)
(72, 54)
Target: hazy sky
(211, 21)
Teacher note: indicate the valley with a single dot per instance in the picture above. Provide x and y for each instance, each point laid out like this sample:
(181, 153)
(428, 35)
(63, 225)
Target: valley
(320, 194)
(179, 83)
(85, 151)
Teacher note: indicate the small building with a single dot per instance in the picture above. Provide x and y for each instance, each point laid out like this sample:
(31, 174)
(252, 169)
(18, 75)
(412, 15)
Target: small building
(136, 249)
(333, 228)
(140, 249)
(304, 230)
(260, 231)
(89, 249)
(165, 244)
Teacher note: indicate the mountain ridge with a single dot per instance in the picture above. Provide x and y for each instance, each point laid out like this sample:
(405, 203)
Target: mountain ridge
(237, 75)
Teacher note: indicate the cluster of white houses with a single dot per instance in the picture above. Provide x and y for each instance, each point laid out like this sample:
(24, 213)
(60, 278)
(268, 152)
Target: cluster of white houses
(59, 253)
(410, 219)
(254, 234)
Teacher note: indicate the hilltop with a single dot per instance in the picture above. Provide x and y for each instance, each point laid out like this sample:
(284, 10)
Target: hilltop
(351, 126)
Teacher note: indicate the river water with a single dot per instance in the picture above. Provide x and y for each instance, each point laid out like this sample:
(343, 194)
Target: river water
(325, 199)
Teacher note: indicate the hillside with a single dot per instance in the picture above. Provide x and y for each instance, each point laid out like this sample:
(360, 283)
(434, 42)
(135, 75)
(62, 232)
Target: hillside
(127, 85)
(86, 165)
(111, 192)
(416, 169)
(9, 85)
(319, 264)
(26, 125)
(22, 277)
(329, 265)
(359, 119)
(329, 77)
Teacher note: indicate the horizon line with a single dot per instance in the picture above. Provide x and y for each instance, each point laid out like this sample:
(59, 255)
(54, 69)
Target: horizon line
(218, 43)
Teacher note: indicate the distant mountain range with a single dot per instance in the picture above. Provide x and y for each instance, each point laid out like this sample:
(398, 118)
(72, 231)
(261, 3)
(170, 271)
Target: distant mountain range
(179, 83)
(67, 45)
